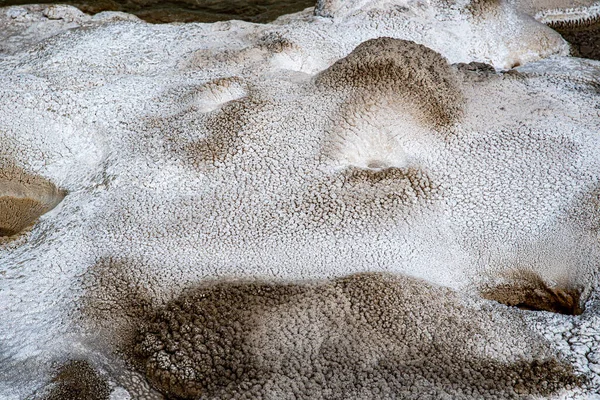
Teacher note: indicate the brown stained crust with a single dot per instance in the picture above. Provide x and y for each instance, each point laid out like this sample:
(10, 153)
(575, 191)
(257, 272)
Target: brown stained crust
(476, 70)
(114, 298)
(585, 210)
(267, 45)
(209, 58)
(363, 336)
(400, 69)
(479, 8)
(356, 195)
(529, 292)
(275, 42)
(357, 176)
(325, 8)
(77, 380)
(219, 312)
(224, 130)
(211, 88)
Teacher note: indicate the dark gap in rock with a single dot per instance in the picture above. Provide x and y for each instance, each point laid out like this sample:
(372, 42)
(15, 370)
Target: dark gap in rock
(6, 232)
(584, 37)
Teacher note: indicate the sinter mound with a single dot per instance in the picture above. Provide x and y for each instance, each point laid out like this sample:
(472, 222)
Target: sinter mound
(347, 338)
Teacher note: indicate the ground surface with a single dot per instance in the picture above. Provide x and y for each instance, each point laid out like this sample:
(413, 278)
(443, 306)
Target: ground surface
(227, 186)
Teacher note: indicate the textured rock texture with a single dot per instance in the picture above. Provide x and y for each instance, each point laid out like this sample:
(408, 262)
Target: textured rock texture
(367, 335)
(332, 205)
(77, 380)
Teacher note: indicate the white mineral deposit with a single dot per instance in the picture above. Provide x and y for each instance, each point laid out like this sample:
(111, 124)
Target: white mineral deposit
(367, 199)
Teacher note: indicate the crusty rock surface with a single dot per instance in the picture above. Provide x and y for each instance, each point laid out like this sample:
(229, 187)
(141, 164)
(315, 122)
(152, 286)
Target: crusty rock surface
(77, 380)
(358, 337)
(385, 67)
(196, 155)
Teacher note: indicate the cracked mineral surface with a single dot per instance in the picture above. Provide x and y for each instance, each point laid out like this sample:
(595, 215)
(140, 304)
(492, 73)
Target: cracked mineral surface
(364, 199)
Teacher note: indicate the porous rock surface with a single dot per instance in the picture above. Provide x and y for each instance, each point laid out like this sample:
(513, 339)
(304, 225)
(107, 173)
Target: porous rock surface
(243, 174)
(77, 380)
(362, 336)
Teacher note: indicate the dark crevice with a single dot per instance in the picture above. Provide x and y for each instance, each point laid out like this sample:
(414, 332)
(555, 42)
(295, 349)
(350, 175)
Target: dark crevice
(583, 37)
(7, 232)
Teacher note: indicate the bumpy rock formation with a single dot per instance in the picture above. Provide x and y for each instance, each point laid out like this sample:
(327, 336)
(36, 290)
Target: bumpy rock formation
(356, 337)
(208, 163)
(385, 67)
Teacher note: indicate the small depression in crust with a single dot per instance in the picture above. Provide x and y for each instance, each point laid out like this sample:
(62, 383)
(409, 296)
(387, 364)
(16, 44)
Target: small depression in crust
(23, 199)
(530, 292)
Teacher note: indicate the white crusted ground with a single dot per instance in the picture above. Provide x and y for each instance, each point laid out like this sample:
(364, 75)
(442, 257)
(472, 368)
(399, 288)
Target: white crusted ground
(194, 151)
